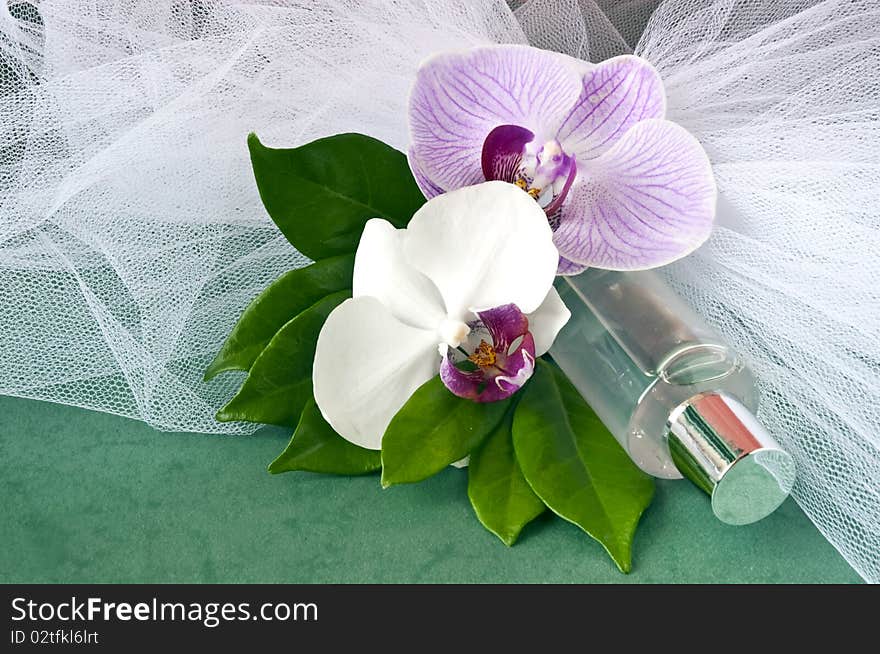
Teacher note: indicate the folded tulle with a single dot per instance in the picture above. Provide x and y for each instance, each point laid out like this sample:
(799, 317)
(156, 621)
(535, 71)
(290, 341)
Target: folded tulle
(131, 232)
(132, 235)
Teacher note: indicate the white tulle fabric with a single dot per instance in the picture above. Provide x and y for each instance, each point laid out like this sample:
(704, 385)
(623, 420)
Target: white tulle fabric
(132, 235)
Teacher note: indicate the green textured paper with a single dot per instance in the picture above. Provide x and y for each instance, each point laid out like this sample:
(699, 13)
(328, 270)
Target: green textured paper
(89, 497)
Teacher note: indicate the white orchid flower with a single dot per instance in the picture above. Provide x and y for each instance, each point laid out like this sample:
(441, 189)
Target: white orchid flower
(475, 263)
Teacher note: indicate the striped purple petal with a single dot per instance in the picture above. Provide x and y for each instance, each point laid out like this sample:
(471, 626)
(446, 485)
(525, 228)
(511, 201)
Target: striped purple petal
(616, 94)
(460, 97)
(428, 188)
(646, 202)
(569, 268)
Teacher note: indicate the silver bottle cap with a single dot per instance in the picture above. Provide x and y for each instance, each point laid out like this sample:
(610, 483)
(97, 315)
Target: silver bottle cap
(719, 445)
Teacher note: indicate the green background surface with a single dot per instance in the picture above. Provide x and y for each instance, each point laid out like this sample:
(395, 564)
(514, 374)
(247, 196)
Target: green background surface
(89, 497)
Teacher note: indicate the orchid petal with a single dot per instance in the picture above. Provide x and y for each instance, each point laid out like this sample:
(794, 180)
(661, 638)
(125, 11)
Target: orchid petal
(458, 98)
(503, 152)
(568, 268)
(428, 188)
(505, 324)
(547, 321)
(646, 202)
(616, 94)
(381, 271)
(484, 246)
(367, 365)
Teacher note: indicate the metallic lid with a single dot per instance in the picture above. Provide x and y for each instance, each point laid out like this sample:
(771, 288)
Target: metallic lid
(719, 445)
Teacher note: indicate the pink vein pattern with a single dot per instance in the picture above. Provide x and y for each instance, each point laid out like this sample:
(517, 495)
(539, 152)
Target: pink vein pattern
(615, 96)
(459, 98)
(645, 202)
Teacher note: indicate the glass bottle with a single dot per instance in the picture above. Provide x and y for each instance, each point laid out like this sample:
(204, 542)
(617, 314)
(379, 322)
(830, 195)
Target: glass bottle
(678, 399)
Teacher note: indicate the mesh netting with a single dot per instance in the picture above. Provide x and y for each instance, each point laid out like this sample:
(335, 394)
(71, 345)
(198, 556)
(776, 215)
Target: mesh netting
(132, 235)
(131, 231)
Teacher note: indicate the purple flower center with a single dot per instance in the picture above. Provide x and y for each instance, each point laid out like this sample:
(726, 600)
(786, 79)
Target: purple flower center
(544, 171)
(497, 369)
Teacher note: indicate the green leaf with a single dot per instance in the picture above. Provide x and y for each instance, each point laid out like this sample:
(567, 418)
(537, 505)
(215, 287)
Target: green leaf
(280, 381)
(433, 429)
(321, 194)
(502, 498)
(575, 466)
(315, 447)
(284, 299)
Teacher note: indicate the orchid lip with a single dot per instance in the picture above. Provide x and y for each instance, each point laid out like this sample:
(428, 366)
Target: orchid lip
(514, 383)
(544, 171)
(500, 368)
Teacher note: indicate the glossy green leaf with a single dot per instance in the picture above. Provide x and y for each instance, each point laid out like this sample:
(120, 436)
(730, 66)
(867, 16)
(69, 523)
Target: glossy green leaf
(283, 300)
(575, 466)
(280, 381)
(321, 194)
(502, 498)
(433, 429)
(315, 447)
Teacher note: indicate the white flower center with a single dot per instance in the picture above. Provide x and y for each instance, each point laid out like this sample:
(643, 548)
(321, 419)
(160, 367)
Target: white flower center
(453, 332)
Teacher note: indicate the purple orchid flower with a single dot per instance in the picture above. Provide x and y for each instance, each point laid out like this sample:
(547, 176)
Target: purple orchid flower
(503, 365)
(623, 188)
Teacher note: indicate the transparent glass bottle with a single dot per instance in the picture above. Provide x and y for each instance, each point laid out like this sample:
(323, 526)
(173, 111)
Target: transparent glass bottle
(674, 394)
